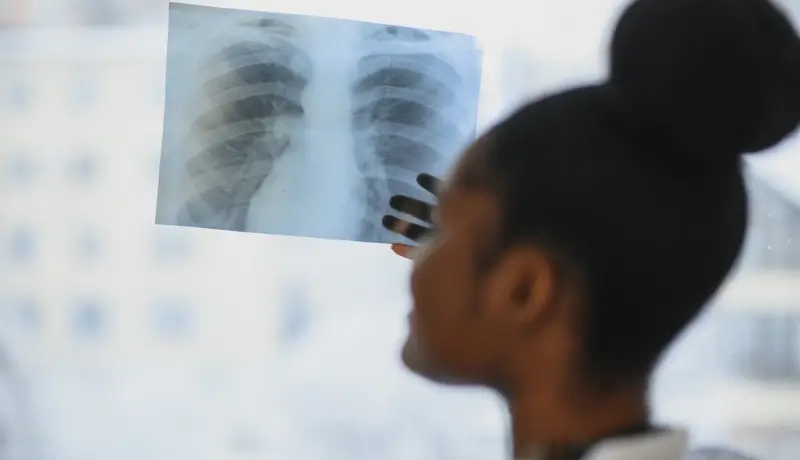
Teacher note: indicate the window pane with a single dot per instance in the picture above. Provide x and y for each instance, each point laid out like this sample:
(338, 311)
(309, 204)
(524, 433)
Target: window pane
(172, 319)
(89, 320)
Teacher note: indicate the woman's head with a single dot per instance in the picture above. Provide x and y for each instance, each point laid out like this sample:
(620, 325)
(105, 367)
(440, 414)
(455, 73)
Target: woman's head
(582, 234)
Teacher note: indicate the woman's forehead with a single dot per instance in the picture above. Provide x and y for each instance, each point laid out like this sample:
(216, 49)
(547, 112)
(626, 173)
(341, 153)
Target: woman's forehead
(464, 199)
(469, 170)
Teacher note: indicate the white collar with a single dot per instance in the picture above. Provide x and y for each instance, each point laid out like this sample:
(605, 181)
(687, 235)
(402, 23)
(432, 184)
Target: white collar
(663, 445)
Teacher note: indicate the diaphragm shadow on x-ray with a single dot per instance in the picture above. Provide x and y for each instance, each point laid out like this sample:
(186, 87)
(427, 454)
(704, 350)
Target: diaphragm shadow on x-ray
(306, 126)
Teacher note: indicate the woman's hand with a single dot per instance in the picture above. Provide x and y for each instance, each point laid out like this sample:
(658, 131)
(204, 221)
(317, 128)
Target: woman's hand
(413, 207)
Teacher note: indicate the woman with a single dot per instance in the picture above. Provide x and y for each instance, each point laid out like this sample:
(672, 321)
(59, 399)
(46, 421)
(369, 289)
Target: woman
(576, 239)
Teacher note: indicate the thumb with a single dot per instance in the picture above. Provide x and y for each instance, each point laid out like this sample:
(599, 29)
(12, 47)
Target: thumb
(403, 250)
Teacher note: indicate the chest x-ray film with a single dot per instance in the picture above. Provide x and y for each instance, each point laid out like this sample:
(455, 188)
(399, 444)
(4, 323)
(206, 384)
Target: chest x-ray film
(306, 126)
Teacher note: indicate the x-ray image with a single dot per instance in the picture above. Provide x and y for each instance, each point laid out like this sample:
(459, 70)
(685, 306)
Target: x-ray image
(306, 126)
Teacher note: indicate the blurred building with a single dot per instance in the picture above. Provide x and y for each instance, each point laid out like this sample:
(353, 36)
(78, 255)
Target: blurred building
(81, 146)
(81, 13)
(758, 328)
(95, 297)
(14, 14)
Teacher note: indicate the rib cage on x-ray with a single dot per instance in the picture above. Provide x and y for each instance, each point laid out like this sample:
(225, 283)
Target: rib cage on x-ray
(250, 99)
(253, 142)
(407, 117)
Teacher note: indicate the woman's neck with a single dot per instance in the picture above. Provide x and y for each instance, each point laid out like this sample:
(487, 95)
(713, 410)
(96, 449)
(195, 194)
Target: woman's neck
(547, 426)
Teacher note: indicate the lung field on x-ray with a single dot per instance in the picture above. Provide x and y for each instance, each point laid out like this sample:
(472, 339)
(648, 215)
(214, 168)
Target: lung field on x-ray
(307, 126)
(252, 91)
(407, 116)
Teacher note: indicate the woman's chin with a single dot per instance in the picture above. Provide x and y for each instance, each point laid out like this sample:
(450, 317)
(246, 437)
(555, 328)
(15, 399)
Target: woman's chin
(409, 355)
(414, 360)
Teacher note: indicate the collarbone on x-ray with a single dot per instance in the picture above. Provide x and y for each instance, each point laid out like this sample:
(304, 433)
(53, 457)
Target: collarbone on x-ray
(307, 126)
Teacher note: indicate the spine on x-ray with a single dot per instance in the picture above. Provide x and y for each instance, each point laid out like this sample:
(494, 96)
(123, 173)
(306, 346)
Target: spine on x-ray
(249, 110)
(407, 117)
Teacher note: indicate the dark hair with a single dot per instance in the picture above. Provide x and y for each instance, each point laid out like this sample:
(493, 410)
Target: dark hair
(638, 178)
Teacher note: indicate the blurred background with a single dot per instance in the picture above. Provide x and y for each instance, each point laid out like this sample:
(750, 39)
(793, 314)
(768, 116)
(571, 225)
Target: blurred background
(120, 339)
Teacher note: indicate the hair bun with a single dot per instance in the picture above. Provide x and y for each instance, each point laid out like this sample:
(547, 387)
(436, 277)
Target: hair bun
(721, 77)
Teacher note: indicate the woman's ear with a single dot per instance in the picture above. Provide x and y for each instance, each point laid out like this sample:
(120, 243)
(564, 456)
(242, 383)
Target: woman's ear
(523, 286)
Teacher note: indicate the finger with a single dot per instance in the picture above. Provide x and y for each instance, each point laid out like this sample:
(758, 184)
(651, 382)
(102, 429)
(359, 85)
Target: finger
(403, 250)
(429, 183)
(402, 227)
(412, 206)
(414, 232)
